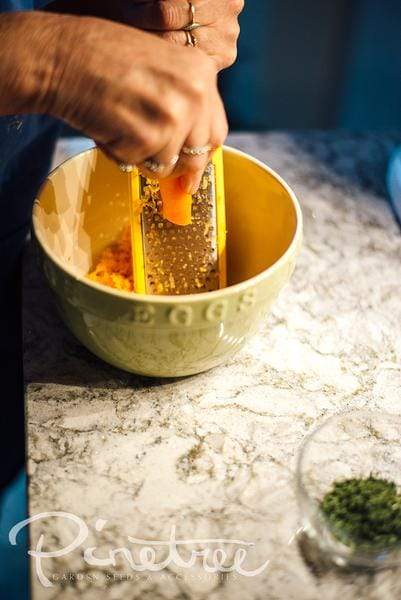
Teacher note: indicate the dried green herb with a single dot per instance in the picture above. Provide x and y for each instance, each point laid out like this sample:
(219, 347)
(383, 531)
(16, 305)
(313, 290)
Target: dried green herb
(364, 513)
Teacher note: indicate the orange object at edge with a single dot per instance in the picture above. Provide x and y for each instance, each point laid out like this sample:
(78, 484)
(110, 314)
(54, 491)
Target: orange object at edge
(177, 204)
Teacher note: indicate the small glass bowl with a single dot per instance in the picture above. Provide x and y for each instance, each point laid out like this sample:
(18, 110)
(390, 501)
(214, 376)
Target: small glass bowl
(356, 443)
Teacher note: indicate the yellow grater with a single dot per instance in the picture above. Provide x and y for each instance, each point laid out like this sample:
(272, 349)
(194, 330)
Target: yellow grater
(179, 259)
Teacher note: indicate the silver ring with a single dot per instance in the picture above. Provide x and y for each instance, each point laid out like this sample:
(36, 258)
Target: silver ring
(154, 166)
(196, 150)
(126, 168)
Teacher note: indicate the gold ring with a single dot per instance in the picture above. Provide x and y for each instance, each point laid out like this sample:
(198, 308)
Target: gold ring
(192, 21)
(192, 25)
(191, 38)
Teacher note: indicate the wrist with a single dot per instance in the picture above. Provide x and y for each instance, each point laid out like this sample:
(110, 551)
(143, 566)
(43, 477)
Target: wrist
(30, 44)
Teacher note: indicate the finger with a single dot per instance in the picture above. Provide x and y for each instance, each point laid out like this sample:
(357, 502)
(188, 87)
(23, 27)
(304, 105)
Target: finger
(192, 166)
(220, 45)
(170, 15)
(180, 120)
(163, 163)
(133, 149)
(219, 129)
(141, 137)
(204, 138)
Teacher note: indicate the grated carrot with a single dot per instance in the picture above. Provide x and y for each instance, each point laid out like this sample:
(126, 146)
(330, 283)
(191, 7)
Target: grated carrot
(114, 266)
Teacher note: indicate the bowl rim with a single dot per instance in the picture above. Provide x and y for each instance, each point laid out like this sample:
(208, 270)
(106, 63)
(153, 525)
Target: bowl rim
(303, 495)
(319, 426)
(185, 298)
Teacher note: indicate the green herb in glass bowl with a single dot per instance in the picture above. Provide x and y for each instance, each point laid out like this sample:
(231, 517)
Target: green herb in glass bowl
(364, 513)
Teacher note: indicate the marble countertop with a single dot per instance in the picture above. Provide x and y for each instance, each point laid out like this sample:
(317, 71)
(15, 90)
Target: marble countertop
(213, 456)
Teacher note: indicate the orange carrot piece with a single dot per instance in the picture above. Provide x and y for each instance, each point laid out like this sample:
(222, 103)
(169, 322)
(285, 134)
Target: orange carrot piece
(177, 204)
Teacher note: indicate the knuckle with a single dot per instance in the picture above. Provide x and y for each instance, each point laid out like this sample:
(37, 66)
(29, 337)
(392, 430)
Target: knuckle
(169, 14)
(171, 36)
(143, 144)
(176, 110)
(114, 152)
(125, 154)
(139, 140)
(204, 65)
(194, 166)
(220, 133)
(134, 147)
(209, 70)
(224, 132)
(202, 78)
(230, 57)
(237, 6)
(235, 32)
(197, 87)
(219, 138)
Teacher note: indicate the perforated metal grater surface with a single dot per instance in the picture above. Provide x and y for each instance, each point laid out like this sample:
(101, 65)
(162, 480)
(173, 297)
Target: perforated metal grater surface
(180, 259)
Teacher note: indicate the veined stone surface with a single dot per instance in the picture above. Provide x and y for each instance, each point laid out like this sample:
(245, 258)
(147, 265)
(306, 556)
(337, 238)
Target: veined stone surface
(213, 456)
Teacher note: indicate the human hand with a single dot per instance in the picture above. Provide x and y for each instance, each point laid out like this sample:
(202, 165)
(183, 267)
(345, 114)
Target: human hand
(167, 18)
(219, 19)
(137, 96)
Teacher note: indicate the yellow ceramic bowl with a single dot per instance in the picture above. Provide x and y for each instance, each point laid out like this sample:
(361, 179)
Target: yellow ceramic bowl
(83, 206)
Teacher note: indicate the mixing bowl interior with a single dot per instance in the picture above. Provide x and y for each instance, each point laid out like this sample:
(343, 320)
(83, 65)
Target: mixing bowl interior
(83, 206)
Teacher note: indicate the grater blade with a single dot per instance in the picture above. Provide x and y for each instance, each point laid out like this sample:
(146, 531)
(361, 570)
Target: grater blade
(180, 259)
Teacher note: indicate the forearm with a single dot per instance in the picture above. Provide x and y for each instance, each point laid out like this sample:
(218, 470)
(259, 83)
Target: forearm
(125, 88)
(30, 43)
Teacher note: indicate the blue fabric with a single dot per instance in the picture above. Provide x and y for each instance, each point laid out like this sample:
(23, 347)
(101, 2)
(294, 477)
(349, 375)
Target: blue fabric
(13, 559)
(11, 5)
(26, 145)
(394, 183)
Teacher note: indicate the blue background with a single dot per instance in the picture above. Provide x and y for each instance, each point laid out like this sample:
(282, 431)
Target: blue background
(317, 64)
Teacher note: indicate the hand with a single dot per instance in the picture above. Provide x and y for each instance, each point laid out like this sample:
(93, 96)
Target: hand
(166, 18)
(136, 95)
(219, 18)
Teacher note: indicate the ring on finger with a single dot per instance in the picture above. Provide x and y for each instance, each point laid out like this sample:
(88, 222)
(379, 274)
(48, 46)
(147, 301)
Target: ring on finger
(192, 40)
(189, 29)
(196, 150)
(125, 168)
(193, 24)
(154, 166)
